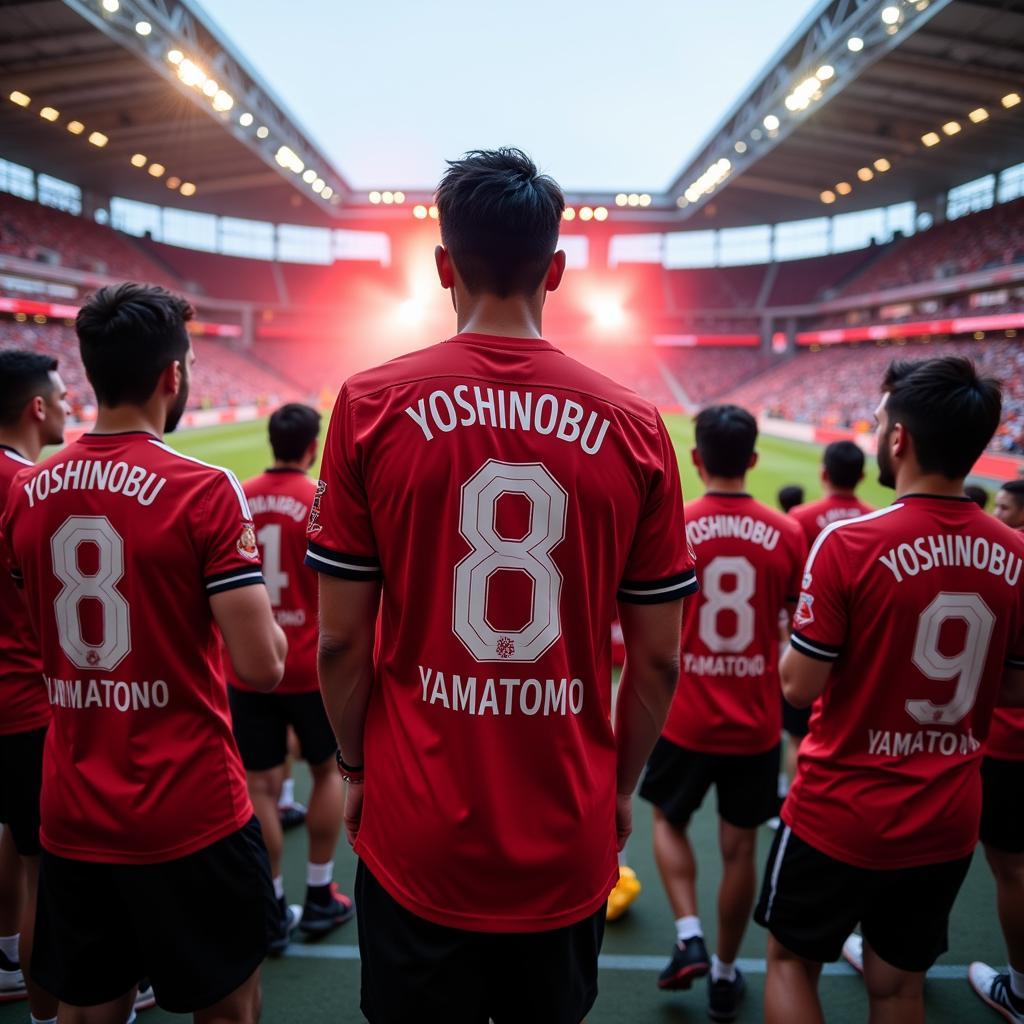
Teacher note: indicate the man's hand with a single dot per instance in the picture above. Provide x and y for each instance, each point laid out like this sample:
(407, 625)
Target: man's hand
(623, 819)
(353, 810)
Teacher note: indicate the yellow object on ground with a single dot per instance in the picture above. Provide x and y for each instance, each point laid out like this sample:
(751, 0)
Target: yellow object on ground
(626, 890)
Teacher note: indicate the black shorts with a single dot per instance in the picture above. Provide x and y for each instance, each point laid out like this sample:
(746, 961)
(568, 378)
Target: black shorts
(811, 902)
(197, 927)
(261, 720)
(1002, 804)
(677, 779)
(796, 722)
(21, 778)
(415, 971)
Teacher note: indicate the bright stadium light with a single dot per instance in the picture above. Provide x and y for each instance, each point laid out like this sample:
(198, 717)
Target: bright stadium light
(952, 128)
(387, 198)
(76, 127)
(882, 165)
(682, 202)
(156, 170)
(825, 73)
(1010, 100)
(979, 115)
(633, 199)
(173, 182)
(318, 185)
(245, 119)
(210, 88)
(112, 6)
(139, 160)
(568, 213)
(771, 123)
(374, 197)
(262, 132)
(601, 213)
(844, 188)
(621, 199)
(23, 100)
(828, 197)
(645, 199)
(399, 198)
(865, 174)
(175, 56)
(223, 101)
(98, 139)
(586, 213)
(143, 28)
(931, 139)
(309, 177)
(890, 15)
(740, 147)
(419, 212)
(49, 114)
(855, 44)
(327, 192)
(187, 189)
(607, 312)
(433, 213)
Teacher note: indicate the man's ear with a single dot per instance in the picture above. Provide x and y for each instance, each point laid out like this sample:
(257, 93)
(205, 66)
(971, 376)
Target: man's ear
(445, 270)
(555, 271)
(37, 409)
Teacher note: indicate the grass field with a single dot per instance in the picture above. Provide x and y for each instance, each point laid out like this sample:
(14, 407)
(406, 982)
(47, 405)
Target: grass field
(319, 983)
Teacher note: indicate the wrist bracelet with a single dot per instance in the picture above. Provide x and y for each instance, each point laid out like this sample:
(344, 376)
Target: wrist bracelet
(349, 773)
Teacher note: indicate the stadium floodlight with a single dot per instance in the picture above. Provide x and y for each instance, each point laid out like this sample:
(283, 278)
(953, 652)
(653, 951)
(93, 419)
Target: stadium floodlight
(890, 15)
(318, 185)
(568, 213)
(865, 174)
(633, 199)
(621, 199)
(175, 56)
(187, 189)
(375, 197)
(433, 211)
(771, 123)
(210, 88)
(855, 44)
(327, 192)
(979, 115)
(143, 28)
(309, 176)
(600, 213)
(1010, 100)
(191, 74)
(931, 139)
(419, 212)
(223, 101)
(828, 197)
(49, 114)
(825, 73)
(139, 160)
(740, 147)
(173, 182)
(387, 198)
(645, 199)
(98, 139)
(156, 170)
(399, 197)
(111, 6)
(75, 127)
(262, 132)
(245, 119)
(882, 165)
(952, 128)
(23, 100)
(682, 202)
(586, 213)
(844, 188)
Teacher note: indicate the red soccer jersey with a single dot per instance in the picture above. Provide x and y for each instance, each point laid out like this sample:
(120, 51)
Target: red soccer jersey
(1006, 736)
(749, 559)
(919, 606)
(24, 705)
(816, 515)
(280, 500)
(120, 541)
(506, 495)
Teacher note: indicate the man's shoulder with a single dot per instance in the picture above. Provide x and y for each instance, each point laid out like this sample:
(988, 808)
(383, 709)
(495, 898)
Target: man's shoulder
(868, 529)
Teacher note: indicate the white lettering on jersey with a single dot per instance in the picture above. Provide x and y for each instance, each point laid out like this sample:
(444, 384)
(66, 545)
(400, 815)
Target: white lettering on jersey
(107, 693)
(936, 551)
(94, 475)
(742, 527)
(281, 504)
(501, 697)
(889, 743)
(500, 409)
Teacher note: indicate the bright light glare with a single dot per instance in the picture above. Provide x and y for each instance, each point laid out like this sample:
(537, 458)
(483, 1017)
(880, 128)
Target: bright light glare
(607, 312)
(139, 160)
(771, 123)
(1011, 99)
(890, 15)
(621, 199)
(23, 100)
(49, 114)
(156, 170)
(143, 28)
(98, 139)
(844, 188)
(112, 6)
(76, 127)
(187, 189)
(951, 127)
(882, 165)
(931, 139)
(175, 56)
(855, 44)
(825, 72)
(601, 213)
(419, 211)
(828, 197)
(979, 115)
(411, 313)
(245, 120)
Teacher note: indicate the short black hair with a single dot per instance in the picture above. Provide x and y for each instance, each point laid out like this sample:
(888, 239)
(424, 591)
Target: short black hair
(844, 464)
(499, 219)
(1015, 489)
(23, 375)
(129, 334)
(725, 437)
(978, 495)
(790, 496)
(950, 412)
(293, 428)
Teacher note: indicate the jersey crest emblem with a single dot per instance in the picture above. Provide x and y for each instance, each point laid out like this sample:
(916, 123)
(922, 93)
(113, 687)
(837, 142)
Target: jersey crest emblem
(804, 611)
(246, 545)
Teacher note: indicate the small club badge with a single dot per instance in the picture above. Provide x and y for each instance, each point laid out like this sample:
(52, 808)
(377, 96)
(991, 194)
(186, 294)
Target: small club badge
(804, 611)
(246, 545)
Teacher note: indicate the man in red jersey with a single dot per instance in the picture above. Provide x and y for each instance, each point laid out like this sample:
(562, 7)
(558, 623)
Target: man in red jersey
(724, 724)
(910, 627)
(1002, 826)
(32, 413)
(842, 470)
(494, 499)
(280, 500)
(130, 555)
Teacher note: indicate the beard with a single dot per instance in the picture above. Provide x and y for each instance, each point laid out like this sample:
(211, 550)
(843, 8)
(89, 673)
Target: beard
(175, 413)
(886, 474)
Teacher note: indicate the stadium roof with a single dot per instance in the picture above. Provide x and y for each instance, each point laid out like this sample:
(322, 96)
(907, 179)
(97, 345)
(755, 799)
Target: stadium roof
(858, 88)
(121, 68)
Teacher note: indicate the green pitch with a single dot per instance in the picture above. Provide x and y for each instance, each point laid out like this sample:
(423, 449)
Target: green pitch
(318, 983)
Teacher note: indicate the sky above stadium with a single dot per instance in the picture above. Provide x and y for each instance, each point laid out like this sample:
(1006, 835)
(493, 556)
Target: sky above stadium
(605, 95)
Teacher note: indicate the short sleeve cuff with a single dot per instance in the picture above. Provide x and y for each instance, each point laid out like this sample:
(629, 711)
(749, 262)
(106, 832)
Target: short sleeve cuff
(814, 648)
(344, 566)
(18, 579)
(233, 579)
(1015, 662)
(671, 588)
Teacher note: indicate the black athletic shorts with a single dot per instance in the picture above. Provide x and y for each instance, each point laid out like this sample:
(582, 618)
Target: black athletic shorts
(811, 902)
(796, 722)
(197, 927)
(415, 971)
(21, 778)
(261, 720)
(677, 779)
(1002, 804)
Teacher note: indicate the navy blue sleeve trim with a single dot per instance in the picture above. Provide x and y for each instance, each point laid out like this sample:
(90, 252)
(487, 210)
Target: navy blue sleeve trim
(671, 588)
(341, 565)
(814, 648)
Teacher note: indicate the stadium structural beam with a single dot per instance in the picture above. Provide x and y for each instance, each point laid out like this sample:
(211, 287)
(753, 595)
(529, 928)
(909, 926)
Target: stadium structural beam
(179, 25)
(742, 138)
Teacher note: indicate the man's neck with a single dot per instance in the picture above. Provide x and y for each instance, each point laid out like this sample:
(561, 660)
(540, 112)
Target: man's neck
(126, 419)
(933, 484)
(725, 485)
(25, 443)
(515, 317)
(847, 493)
(281, 464)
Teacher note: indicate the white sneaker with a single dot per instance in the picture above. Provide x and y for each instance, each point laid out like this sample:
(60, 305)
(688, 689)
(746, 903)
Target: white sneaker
(774, 824)
(144, 997)
(994, 989)
(853, 952)
(12, 981)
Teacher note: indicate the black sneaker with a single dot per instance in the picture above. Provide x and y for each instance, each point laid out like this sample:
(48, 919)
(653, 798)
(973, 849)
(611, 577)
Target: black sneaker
(689, 961)
(325, 909)
(292, 815)
(287, 923)
(724, 997)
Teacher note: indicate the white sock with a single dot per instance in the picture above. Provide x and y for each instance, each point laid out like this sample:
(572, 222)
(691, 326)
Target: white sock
(320, 874)
(688, 928)
(9, 946)
(287, 797)
(1017, 983)
(279, 887)
(783, 785)
(720, 971)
